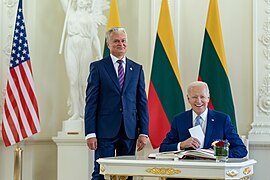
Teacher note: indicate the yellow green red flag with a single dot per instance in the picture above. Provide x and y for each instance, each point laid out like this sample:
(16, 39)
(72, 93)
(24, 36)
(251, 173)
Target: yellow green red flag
(165, 97)
(213, 68)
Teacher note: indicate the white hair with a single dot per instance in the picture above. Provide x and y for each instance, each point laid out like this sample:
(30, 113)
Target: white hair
(198, 84)
(114, 29)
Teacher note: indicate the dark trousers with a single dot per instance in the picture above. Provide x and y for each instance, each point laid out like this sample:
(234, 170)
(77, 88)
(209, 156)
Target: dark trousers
(107, 148)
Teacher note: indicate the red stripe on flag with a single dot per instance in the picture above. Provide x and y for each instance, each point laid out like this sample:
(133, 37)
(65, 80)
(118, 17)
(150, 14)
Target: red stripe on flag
(4, 136)
(31, 90)
(31, 96)
(15, 109)
(11, 124)
(159, 124)
(21, 101)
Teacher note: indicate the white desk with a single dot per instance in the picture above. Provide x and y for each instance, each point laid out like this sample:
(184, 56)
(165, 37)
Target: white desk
(122, 166)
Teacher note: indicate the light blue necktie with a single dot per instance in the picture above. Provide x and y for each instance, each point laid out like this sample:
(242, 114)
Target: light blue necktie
(198, 121)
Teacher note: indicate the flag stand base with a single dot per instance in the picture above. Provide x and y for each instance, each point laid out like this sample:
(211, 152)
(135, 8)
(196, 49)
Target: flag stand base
(73, 126)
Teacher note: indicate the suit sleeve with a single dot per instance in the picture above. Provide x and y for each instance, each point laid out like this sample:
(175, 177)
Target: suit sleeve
(142, 106)
(237, 149)
(91, 101)
(172, 139)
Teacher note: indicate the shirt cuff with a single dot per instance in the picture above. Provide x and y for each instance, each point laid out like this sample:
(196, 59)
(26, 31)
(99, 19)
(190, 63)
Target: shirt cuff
(145, 135)
(91, 135)
(178, 146)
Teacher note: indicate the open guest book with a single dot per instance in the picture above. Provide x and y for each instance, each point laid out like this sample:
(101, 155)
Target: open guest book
(188, 154)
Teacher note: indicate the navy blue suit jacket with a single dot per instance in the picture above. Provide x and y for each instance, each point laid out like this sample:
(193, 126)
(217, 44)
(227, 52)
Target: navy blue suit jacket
(219, 126)
(107, 106)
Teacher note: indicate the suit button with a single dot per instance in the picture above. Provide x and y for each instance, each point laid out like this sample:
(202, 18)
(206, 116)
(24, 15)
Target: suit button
(121, 109)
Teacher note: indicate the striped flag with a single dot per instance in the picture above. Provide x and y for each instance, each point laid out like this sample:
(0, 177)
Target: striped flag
(113, 21)
(165, 97)
(213, 68)
(20, 113)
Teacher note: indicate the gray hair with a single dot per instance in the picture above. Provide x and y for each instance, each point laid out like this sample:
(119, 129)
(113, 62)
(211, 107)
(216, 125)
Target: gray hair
(198, 84)
(114, 29)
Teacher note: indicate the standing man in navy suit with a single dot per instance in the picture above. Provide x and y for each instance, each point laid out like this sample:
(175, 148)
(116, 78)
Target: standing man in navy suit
(215, 125)
(116, 113)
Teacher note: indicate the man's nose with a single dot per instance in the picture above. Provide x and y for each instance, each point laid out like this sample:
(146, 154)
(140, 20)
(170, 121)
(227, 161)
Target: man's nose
(121, 43)
(199, 99)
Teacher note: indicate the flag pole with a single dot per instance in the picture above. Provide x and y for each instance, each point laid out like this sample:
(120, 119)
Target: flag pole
(64, 28)
(18, 163)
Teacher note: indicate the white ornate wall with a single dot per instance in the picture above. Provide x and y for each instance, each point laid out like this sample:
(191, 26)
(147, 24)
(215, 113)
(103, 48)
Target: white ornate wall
(261, 67)
(259, 135)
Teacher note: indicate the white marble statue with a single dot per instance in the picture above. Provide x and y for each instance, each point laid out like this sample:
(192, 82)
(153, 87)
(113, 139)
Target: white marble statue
(82, 46)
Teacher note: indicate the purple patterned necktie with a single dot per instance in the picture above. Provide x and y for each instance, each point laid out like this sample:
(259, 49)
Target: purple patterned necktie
(121, 73)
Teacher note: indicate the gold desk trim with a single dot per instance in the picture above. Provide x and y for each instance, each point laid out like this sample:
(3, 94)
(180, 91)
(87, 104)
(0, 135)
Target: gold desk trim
(114, 177)
(168, 171)
(232, 173)
(102, 168)
(247, 171)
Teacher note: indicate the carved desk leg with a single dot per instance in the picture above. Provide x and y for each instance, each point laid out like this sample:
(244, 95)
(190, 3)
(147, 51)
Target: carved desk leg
(245, 178)
(122, 177)
(107, 177)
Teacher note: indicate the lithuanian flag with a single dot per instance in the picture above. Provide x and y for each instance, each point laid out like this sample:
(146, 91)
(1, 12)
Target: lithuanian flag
(165, 97)
(213, 68)
(113, 21)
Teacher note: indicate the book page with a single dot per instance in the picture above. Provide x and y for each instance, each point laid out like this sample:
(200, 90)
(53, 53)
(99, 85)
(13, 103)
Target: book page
(166, 155)
(173, 155)
(200, 153)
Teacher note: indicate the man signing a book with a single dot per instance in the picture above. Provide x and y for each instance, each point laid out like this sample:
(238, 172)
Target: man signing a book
(215, 125)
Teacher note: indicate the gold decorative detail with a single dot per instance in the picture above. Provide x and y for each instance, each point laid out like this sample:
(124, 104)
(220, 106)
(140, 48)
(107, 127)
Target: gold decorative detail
(247, 171)
(114, 177)
(168, 171)
(102, 168)
(245, 178)
(72, 133)
(232, 173)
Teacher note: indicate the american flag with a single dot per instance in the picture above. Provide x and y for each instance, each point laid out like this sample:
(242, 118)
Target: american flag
(20, 113)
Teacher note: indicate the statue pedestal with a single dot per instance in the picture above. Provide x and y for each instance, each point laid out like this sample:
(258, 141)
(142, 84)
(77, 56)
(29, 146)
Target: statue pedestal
(73, 126)
(74, 159)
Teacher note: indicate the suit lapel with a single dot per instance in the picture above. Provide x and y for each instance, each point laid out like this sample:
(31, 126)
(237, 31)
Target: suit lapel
(128, 73)
(209, 128)
(111, 71)
(189, 117)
